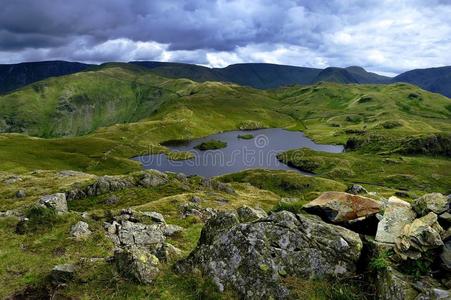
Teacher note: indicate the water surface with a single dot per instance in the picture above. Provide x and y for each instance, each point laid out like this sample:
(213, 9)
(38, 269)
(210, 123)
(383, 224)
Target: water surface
(240, 154)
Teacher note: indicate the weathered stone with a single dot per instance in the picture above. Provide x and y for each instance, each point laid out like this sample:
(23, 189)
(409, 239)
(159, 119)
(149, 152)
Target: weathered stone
(249, 214)
(113, 199)
(154, 216)
(251, 258)
(80, 230)
(446, 216)
(393, 285)
(137, 234)
(137, 264)
(21, 194)
(62, 273)
(193, 209)
(56, 201)
(339, 207)
(356, 189)
(168, 252)
(445, 256)
(397, 214)
(172, 229)
(421, 235)
(434, 202)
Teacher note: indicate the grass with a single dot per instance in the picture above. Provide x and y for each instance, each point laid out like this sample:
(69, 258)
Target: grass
(211, 145)
(180, 155)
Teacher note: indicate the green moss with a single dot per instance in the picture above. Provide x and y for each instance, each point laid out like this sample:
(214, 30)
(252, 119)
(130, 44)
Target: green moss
(180, 155)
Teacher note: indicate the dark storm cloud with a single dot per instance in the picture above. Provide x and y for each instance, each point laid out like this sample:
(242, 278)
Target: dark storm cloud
(371, 33)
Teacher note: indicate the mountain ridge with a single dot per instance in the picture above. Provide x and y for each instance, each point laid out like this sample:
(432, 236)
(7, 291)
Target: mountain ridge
(256, 75)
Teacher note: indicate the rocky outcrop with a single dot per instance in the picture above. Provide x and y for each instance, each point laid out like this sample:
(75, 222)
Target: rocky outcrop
(56, 201)
(140, 247)
(397, 214)
(433, 202)
(80, 230)
(339, 207)
(356, 189)
(421, 235)
(107, 184)
(249, 214)
(252, 258)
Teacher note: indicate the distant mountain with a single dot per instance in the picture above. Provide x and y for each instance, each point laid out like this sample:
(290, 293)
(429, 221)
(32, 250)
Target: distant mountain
(437, 80)
(264, 76)
(257, 75)
(14, 76)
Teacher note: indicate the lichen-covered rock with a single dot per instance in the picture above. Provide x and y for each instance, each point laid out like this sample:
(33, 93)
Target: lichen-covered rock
(152, 178)
(80, 230)
(252, 258)
(397, 214)
(249, 214)
(393, 285)
(445, 256)
(433, 202)
(137, 234)
(136, 264)
(171, 229)
(62, 273)
(339, 207)
(56, 201)
(421, 235)
(168, 252)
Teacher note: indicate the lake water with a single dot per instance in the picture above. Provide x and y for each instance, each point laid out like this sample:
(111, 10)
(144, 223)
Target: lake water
(240, 154)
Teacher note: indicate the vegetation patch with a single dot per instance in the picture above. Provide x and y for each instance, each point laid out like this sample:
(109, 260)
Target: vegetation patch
(391, 124)
(211, 145)
(180, 155)
(251, 125)
(246, 136)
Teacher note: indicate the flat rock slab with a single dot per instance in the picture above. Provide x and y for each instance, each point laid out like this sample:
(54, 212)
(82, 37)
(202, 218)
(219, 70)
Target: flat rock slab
(339, 207)
(397, 214)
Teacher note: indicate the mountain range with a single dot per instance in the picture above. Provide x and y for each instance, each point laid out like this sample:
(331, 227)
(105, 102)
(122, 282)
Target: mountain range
(257, 75)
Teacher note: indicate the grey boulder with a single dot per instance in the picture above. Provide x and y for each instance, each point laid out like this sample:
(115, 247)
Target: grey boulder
(56, 201)
(80, 230)
(433, 202)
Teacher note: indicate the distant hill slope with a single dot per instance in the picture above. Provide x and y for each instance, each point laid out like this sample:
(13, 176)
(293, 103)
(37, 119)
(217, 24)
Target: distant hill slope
(264, 76)
(437, 80)
(14, 76)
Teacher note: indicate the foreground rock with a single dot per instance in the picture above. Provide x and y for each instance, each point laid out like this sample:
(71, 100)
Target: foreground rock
(433, 202)
(140, 247)
(339, 207)
(56, 201)
(397, 214)
(421, 235)
(252, 258)
(137, 264)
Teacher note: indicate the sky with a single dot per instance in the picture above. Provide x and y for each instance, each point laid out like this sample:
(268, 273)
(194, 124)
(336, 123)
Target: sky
(383, 36)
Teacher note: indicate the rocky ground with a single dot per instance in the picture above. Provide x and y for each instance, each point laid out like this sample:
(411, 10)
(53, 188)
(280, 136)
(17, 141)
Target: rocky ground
(357, 242)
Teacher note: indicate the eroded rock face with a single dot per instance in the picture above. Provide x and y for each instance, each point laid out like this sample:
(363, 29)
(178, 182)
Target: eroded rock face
(251, 258)
(421, 235)
(56, 201)
(433, 202)
(397, 214)
(249, 214)
(393, 285)
(339, 207)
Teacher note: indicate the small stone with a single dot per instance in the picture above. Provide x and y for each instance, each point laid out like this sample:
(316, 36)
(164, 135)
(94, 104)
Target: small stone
(168, 252)
(156, 217)
(80, 230)
(196, 199)
(356, 189)
(62, 273)
(172, 229)
(56, 201)
(113, 199)
(21, 194)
